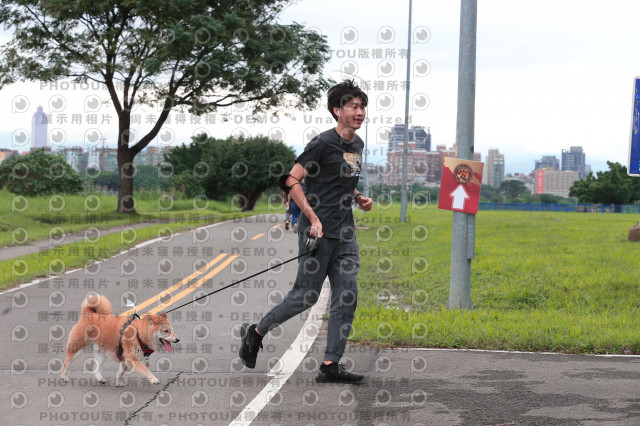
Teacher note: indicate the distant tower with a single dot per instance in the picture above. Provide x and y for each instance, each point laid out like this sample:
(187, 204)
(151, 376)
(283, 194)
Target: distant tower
(573, 160)
(39, 129)
(548, 161)
(493, 169)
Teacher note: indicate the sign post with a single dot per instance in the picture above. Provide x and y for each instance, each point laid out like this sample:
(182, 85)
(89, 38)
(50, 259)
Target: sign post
(463, 227)
(634, 143)
(460, 185)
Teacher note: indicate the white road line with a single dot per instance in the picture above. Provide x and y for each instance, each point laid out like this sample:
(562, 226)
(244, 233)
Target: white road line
(289, 362)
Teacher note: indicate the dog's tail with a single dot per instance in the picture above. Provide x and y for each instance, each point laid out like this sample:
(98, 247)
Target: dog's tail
(96, 304)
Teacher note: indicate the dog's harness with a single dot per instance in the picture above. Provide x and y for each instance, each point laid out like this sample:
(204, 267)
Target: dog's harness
(146, 350)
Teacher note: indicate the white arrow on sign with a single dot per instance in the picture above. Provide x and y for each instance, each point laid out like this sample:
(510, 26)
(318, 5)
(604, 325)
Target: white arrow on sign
(459, 196)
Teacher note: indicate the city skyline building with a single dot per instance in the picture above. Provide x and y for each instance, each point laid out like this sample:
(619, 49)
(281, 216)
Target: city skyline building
(493, 174)
(548, 161)
(573, 159)
(418, 136)
(39, 129)
(555, 182)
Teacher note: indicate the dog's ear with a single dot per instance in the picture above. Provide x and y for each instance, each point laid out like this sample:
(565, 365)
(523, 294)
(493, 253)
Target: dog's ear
(164, 314)
(150, 319)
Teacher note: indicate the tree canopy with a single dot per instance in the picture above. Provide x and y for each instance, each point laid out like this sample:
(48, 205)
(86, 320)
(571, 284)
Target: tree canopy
(39, 173)
(613, 186)
(200, 55)
(233, 166)
(513, 188)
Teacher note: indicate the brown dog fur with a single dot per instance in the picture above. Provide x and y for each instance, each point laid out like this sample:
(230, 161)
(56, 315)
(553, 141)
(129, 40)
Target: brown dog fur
(98, 326)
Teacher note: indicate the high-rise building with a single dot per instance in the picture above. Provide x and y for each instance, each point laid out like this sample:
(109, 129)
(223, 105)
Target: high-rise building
(74, 157)
(39, 129)
(555, 182)
(434, 161)
(417, 165)
(548, 161)
(493, 173)
(417, 135)
(574, 160)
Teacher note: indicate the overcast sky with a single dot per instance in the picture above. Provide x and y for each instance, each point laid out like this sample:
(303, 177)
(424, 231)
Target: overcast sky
(550, 75)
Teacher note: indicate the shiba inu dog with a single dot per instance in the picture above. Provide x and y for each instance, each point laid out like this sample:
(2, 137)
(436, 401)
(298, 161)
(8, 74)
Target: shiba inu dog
(126, 340)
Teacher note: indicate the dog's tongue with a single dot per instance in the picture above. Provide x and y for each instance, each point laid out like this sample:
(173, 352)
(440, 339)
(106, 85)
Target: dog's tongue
(167, 346)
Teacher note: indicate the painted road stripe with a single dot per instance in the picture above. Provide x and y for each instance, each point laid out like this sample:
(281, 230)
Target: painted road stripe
(189, 290)
(289, 362)
(174, 287)
(257, 236)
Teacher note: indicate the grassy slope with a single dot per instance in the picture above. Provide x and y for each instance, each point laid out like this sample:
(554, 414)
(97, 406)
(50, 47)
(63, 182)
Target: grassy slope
(42, 214)
(39, 222)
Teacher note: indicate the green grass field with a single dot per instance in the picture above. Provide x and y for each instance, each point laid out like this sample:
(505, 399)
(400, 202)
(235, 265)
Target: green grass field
(42, 217)
(563, 282)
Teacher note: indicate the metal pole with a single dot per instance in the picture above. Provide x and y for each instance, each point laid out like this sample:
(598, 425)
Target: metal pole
(403, 203)
(463, 229)
(366, 152)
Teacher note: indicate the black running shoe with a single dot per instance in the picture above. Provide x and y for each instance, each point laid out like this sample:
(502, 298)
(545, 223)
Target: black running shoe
(251, 343)
(335, 373)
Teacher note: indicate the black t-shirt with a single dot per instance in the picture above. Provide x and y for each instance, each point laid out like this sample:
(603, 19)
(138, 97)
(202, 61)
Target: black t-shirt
(333, 167)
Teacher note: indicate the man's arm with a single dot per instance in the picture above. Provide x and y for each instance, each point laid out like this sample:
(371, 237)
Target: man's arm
(364, 202)
(297, 174)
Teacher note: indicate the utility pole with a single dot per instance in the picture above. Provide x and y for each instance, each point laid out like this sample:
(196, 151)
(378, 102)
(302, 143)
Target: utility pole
(464, 224)
(403, 203)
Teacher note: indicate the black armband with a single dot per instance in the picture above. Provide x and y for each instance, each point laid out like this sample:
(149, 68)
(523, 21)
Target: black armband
(282, 183)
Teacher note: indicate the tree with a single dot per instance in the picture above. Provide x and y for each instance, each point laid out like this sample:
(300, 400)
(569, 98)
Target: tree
(39, 173)
(197, 54)
(490, 194)
(184, 158)
(186, 183)
(147, 178)
(614, 186)
(108, 180)
(225, 167)
(513, 188)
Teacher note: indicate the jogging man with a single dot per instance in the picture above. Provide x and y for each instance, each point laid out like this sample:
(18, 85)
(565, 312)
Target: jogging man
(330, 166)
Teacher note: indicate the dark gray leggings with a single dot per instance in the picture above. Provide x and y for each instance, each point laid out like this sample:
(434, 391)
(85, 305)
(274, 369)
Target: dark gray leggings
(340, 261)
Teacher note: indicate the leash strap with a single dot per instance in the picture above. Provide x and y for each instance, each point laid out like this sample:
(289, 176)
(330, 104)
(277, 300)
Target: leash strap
(311, 242)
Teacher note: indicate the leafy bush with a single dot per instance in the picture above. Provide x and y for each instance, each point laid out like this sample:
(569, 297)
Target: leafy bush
(39, 173)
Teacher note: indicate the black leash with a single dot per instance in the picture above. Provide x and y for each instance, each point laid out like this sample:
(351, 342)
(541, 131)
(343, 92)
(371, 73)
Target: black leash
(311, 242)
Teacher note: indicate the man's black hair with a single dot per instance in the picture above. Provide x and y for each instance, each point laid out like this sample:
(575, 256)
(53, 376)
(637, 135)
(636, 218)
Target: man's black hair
(342, 93)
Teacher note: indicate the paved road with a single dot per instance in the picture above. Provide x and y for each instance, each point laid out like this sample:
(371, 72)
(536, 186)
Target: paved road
(203, 383)
(92, 233)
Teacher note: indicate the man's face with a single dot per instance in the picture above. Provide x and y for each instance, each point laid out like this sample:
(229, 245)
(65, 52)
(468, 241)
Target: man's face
(352, 114)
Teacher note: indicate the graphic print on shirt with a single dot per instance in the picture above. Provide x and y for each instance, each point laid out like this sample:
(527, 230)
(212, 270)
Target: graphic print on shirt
(353, 166)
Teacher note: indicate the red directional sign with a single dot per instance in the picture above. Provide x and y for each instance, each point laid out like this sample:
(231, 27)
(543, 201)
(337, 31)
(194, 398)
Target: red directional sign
(460, 185)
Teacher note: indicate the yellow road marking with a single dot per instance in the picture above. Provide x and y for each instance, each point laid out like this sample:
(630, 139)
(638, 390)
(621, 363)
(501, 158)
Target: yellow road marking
(185, 292)
(257, 236)
(176, 286)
